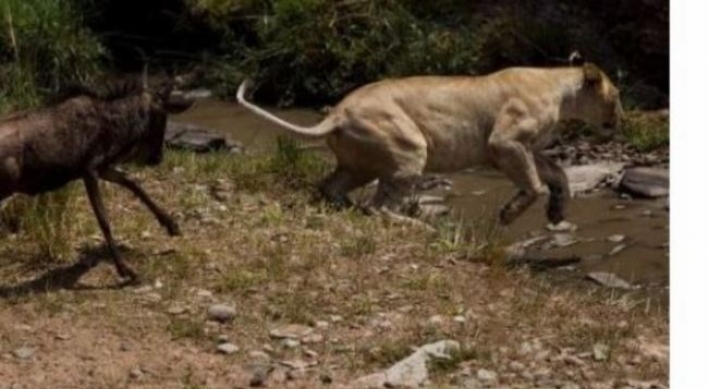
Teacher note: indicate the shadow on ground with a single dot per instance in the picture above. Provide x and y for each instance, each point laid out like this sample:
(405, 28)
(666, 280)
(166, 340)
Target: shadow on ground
(66, 276)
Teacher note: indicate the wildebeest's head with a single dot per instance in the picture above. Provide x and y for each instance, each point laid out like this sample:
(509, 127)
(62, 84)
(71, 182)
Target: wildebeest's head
(157, 103)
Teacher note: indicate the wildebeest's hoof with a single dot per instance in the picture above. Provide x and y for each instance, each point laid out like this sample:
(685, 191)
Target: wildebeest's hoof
(127, 274)
(173, 228)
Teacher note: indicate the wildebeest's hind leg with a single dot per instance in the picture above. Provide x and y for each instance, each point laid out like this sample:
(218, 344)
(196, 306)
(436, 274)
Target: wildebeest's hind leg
(553, 176)
(334, 187)
(163, 217)
(94, 194)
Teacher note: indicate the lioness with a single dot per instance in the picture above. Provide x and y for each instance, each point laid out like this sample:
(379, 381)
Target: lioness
(397, 129)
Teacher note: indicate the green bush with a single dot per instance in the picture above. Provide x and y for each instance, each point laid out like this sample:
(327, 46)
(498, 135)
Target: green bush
(645, 131)
(43, 46)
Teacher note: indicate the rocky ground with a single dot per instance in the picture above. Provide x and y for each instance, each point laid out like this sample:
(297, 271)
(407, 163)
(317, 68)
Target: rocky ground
(267, 289)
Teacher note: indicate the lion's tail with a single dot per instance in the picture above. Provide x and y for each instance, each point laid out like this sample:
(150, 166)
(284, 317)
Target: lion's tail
(323, 128)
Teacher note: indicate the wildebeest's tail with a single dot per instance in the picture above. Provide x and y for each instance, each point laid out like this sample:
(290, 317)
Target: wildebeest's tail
(323, 128)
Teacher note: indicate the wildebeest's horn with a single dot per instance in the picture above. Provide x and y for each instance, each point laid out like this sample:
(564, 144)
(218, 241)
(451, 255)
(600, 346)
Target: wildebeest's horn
(575, 59)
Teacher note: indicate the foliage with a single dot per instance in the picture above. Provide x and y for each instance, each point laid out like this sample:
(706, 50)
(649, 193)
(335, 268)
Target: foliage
(43, 46)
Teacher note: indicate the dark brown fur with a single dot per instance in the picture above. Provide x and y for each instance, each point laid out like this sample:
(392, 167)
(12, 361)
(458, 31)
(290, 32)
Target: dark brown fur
(84, 134)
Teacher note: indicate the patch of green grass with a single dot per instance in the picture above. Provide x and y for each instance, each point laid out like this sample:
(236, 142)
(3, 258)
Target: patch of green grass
(440, 366)
(45, 47)
(359, 246)
(186, 328)
(645, 131)
(48, 219)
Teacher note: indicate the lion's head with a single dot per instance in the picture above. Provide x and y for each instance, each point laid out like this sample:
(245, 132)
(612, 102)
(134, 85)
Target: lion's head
(598, 101)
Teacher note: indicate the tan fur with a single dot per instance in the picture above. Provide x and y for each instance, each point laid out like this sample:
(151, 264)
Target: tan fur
(397, 129)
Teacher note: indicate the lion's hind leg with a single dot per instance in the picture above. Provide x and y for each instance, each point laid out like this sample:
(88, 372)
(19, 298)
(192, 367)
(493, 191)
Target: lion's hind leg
(336, 186)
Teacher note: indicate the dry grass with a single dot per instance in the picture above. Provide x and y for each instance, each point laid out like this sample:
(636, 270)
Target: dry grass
(259, 243)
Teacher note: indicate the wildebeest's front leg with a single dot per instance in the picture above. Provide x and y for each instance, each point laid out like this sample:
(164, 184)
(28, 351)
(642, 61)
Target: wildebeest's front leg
(163, 217)
(94, 194)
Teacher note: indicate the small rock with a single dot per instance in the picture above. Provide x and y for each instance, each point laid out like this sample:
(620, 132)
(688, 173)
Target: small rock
(312, 339)
(176, 309)
(259, 356)
(291, 331)
(24, 352)
(563, 226)
(600, 352)
(227, 348)
(617, 249)
(322, 324)
(516, 366)
(459, 319)
(290, 343)
(609, 280)
(562, 240)
(310, 353)
(62, 336)
(222, 338)
(436, 320)
(260, 375)
(487, 376)
(222, 313)
(646, 182)
(136, 373)
(617, 238)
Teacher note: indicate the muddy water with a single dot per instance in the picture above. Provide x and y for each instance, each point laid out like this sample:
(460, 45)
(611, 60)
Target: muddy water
(641, 257)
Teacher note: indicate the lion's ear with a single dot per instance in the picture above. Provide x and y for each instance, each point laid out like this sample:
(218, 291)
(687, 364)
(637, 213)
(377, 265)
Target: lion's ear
(592, 74)
(575, 59)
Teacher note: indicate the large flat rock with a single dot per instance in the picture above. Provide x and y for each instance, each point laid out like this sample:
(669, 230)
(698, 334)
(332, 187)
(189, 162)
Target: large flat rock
(646, 182)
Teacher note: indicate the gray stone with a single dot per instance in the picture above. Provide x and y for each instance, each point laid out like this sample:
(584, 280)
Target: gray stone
(136, 373)
(198, 139)
(227, 348)
(617, 238)
(487, 376)
(222, 313)
(291, 331)
(646, 182)
(609, 280)
(600, 352)
(412, 371)
(588, 177)
(24, 352)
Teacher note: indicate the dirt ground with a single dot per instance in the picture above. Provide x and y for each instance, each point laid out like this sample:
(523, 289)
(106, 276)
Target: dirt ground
(354, 294)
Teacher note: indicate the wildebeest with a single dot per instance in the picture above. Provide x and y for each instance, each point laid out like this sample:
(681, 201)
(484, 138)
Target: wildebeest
(84, 135)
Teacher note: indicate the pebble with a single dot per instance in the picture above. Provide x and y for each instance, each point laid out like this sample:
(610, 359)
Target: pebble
(290, 343)
(221, 313)
(24, 352)
(617, 249)
(227, 348)
(312, 339)
(291, 331)
(176, 310)
(487, 375)
(136, 373)
(617, 238)
(459, 319)
(435, 320)
(563, 226)
(259, 356)
(600, 351)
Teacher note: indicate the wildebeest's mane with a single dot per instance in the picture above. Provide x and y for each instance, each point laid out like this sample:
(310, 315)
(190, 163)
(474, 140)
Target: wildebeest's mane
(109, 91)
